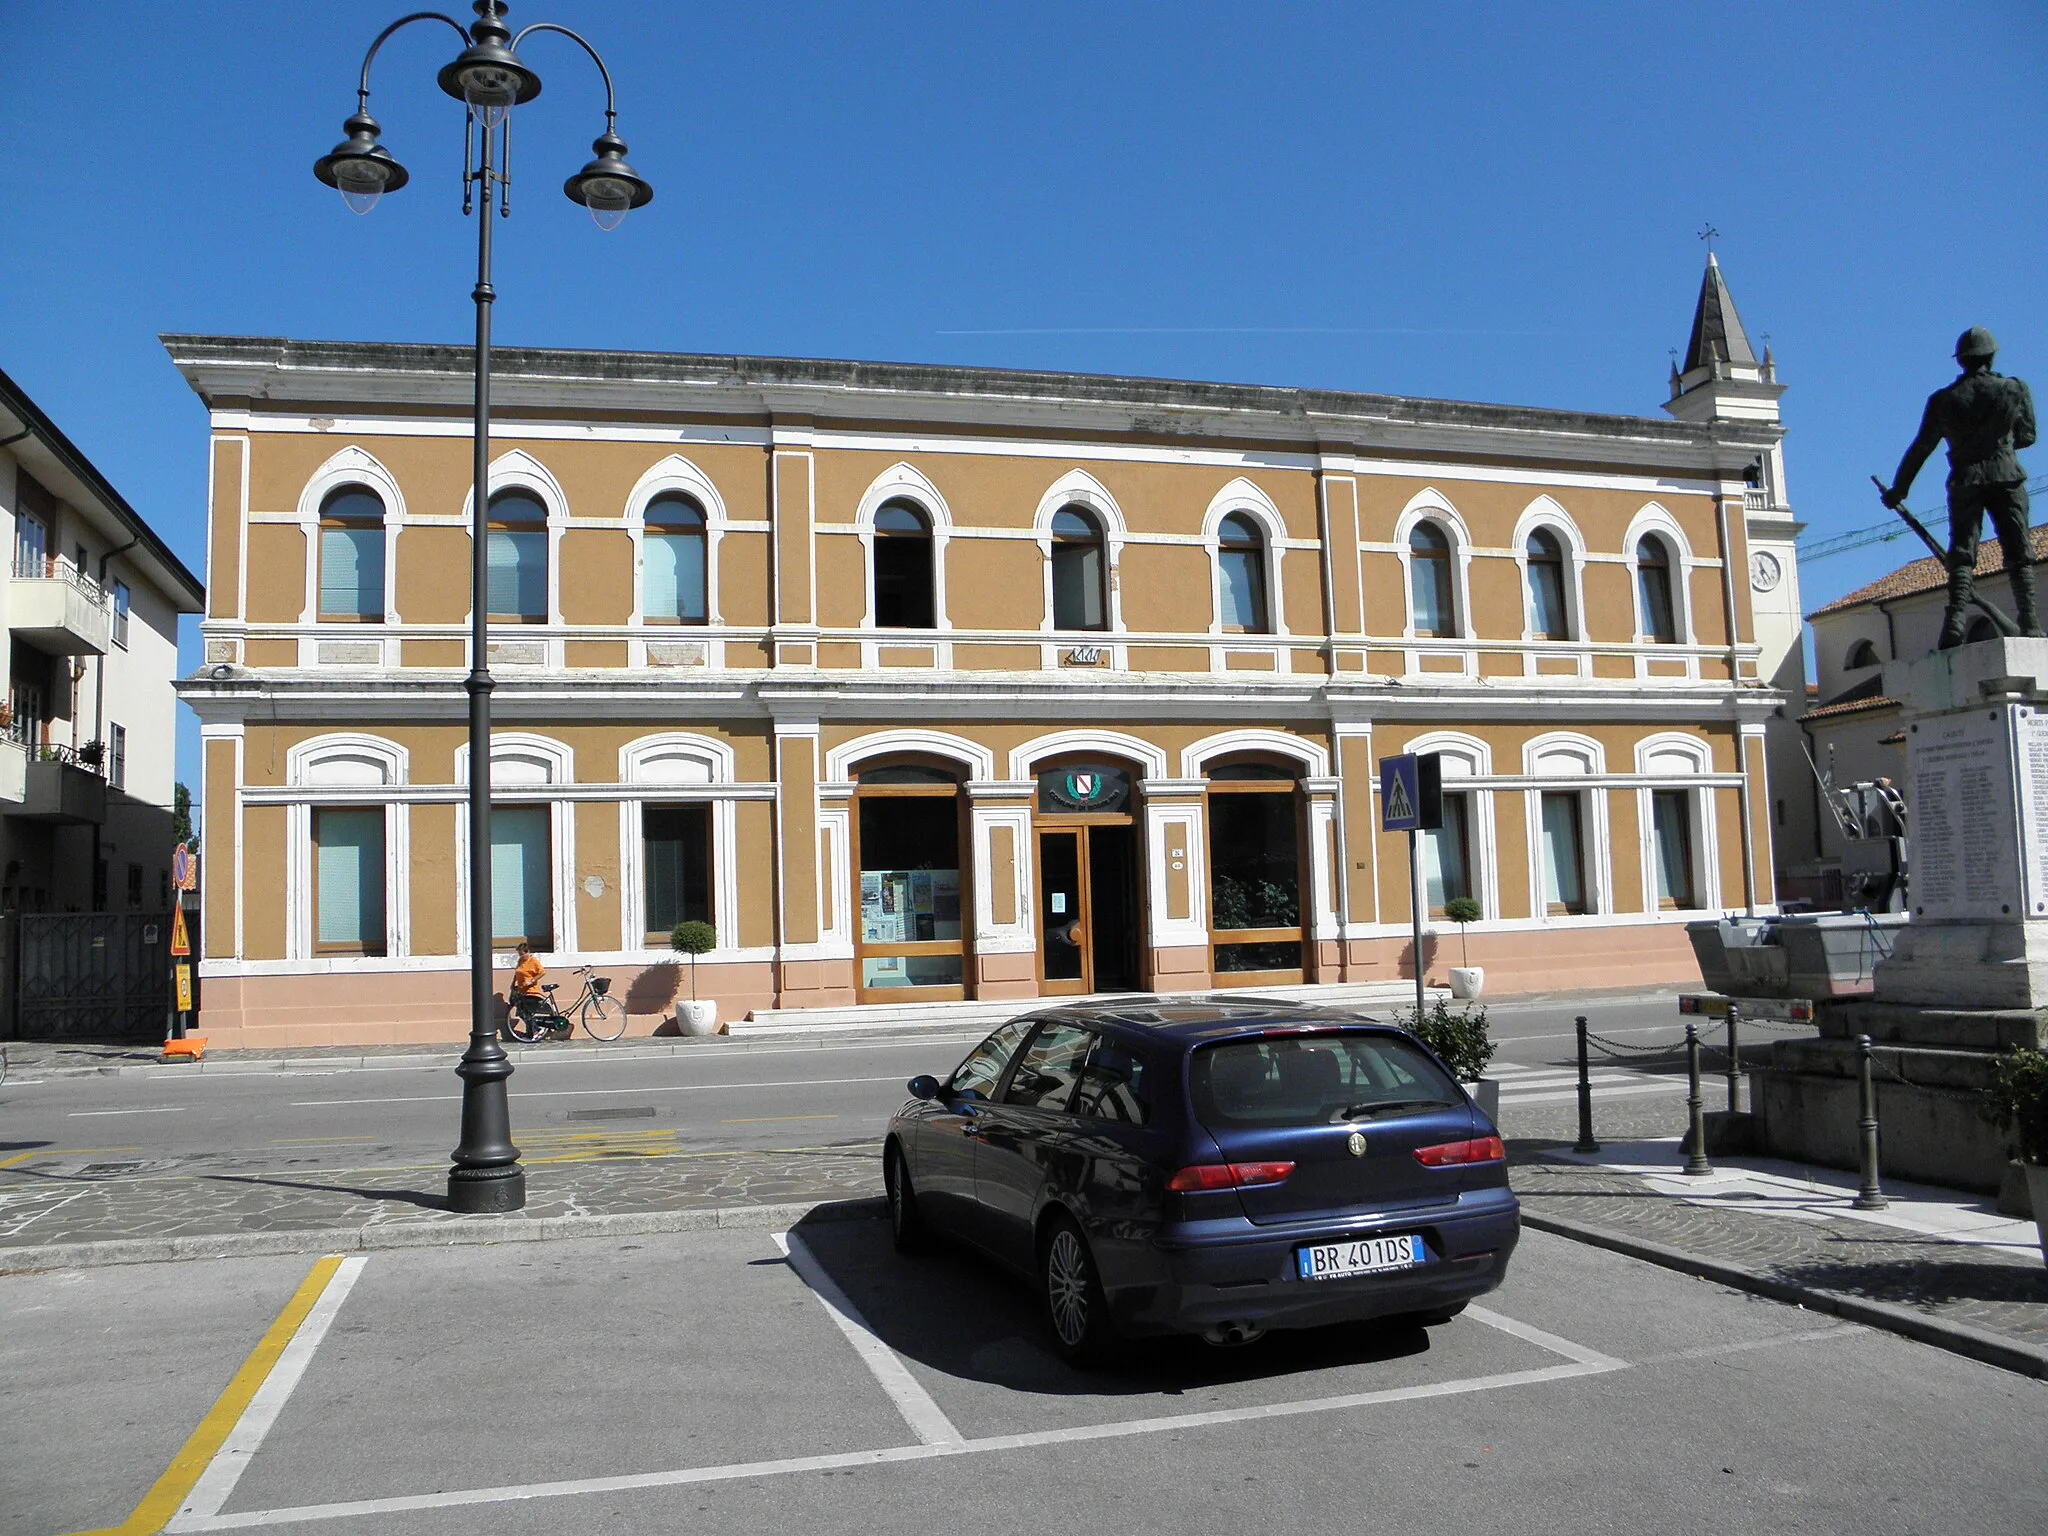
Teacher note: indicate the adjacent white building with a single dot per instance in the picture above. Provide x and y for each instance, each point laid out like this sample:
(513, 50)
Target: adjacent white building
(90, 613)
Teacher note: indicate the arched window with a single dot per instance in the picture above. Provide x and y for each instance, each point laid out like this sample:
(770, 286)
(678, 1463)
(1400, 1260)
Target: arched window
(673, 555)
(1080, 588)
(1429, 581)
(1548, 617)
(1861, 654)
(903, 567)
(1653, 591)
(352, 554)
(1256, 872)
(1241, 557)
(908, 837)
(516, 551)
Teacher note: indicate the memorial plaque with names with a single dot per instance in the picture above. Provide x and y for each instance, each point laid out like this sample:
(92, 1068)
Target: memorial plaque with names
(2030, 743)
(1965, 824)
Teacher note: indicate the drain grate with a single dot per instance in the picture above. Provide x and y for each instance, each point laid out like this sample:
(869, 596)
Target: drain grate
(620, 1112)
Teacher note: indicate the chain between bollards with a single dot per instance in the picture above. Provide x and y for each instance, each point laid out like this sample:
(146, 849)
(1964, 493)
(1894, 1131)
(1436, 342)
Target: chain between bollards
(1585, 1143)
(1734, 1060)
(1695, 1106)
(1871, 1196)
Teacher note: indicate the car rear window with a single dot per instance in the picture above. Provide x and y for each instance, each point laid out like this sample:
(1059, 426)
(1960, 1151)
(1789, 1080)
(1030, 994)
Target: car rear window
(1314, 1080)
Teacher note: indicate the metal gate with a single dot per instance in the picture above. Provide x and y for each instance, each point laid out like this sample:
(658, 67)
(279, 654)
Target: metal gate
(94, 975)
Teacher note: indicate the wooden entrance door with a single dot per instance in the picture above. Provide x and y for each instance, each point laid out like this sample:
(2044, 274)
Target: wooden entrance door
(1066, 949)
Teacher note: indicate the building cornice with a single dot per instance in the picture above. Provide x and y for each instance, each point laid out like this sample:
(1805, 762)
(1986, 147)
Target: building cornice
(260, 374)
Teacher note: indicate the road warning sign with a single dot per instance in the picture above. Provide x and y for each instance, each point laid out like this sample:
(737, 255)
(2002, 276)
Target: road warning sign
(181, 942)
(1411, 792)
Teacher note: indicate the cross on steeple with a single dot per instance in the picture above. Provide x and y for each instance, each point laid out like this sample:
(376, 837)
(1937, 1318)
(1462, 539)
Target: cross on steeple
(1709, 234)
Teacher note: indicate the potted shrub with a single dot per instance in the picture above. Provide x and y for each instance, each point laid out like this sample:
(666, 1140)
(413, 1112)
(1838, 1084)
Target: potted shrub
(694, 939)
(1467, 980)
(1461, 1041)
(2016, 1100)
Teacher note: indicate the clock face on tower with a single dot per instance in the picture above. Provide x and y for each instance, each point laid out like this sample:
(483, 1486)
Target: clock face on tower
(1764, 571)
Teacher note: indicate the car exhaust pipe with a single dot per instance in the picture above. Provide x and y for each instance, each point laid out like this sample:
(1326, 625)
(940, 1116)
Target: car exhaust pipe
(1233, 1334)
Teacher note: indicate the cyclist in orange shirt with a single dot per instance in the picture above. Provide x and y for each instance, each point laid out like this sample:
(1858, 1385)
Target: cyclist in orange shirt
(525, 989)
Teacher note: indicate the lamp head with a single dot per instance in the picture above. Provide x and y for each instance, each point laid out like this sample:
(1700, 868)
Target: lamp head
(360, 168)
(487, 74)
(608, 186)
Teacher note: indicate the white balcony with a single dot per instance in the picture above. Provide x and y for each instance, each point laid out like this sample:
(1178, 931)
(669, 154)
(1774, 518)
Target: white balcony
(55, 609)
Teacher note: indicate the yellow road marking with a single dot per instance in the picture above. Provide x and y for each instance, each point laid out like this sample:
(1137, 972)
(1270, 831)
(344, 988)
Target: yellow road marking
(29, 1157)
(170, 1491)
(772, 1119)
(314, 1141)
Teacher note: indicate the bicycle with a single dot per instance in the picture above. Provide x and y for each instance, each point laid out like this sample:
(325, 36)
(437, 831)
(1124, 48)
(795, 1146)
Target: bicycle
(603, 1016)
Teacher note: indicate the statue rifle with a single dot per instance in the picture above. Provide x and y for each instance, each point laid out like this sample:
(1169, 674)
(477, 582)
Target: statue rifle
(2004, 625)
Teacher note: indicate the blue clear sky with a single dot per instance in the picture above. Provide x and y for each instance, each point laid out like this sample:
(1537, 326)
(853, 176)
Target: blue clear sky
(1487, 202)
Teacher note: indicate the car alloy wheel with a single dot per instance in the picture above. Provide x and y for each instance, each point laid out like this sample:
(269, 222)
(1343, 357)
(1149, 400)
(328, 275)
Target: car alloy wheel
(1074, 1304)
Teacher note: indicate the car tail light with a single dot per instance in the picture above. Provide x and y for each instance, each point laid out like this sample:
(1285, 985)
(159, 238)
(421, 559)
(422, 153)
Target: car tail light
(1485, 1149)
(1208, 1176)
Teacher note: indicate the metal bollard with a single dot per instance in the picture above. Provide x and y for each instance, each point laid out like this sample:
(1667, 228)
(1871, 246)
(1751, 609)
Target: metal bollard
(1585, 1143)
(1696, 1107)
(1734, 1060)
(1871, 1196)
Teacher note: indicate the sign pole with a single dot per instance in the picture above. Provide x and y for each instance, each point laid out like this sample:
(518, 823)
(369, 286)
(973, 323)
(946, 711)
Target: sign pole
(1415, 916)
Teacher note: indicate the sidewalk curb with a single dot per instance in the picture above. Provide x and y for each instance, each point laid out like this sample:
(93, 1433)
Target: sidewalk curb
(1957, 1338)
(451, 1234)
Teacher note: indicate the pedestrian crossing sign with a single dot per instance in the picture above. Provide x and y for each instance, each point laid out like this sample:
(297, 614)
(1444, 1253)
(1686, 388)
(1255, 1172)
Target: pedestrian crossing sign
(1411, 792)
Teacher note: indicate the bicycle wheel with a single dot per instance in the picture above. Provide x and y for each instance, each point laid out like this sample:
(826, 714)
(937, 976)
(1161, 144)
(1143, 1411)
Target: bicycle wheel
(604, 1018)
(526, 1025)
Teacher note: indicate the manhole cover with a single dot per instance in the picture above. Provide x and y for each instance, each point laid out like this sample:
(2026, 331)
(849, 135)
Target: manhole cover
(621, 1112)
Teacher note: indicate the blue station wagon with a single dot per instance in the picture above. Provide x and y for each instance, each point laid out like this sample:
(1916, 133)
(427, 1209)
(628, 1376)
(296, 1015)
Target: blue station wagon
(1218, 1168)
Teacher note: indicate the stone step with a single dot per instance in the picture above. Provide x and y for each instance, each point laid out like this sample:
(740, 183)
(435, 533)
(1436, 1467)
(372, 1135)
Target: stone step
(1380, 998)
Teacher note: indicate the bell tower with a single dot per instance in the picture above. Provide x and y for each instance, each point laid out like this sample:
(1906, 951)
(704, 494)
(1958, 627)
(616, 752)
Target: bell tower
(1723, 379)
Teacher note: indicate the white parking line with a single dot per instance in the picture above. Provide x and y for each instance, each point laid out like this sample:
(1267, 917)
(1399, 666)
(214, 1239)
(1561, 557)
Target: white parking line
(926, 1419)
(218, 1481)
(589, 1093)
(162, 1109)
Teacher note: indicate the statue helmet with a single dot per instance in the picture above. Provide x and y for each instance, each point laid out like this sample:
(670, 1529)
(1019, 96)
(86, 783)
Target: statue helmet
(1975, 342)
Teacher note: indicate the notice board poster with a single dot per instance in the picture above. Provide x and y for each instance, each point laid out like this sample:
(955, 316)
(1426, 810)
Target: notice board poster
(909, 906)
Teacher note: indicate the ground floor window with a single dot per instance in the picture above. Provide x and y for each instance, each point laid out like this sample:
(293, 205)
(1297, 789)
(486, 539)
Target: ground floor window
(676, 854)
(1564, 861)
(1671, 829)
(522, 876)
(908, 834)
(1255, 870)
(1447, 855)
(348, 880)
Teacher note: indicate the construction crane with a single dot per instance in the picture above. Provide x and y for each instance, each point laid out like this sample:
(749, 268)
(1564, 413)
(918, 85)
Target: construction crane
(1876, 533)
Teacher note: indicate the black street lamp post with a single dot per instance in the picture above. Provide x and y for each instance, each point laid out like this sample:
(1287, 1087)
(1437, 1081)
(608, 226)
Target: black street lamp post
(488, 77)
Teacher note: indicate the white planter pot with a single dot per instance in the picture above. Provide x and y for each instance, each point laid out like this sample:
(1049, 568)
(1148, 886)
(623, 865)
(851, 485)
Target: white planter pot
(1486, 1093)
(697, 1018)
(2037, 1196)
(1467, 981)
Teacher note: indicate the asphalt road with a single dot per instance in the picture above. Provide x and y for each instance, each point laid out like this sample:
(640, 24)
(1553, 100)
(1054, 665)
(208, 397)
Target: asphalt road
(730, 1094)
(700, 1382)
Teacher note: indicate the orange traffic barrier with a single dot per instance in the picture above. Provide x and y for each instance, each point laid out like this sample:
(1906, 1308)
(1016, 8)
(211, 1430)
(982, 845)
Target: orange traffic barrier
(191, 1048)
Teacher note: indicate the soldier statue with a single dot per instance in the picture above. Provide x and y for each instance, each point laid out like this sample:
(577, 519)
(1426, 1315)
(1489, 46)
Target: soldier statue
(1985, 417)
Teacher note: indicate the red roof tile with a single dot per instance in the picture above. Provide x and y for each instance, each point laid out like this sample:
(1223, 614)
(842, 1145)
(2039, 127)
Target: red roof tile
(1929, 574)
(1849, 707)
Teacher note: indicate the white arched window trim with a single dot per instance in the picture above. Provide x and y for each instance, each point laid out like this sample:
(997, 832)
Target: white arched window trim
(1653, 519)
(903, 482)
(842, 762)
(1241, 495)
(1431, 505)
(676, 475)
(1674, 761)
(1465, 758)
(666, 768)
(1078, 488)
(1312, 756)
(1547, 514)
(1563, 760)
(521, 471)
(1024, 760)
(351, 466)
(523, 762)
(347, 768)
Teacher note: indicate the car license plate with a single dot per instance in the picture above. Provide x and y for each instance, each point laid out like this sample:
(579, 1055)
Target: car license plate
(1366, 1256)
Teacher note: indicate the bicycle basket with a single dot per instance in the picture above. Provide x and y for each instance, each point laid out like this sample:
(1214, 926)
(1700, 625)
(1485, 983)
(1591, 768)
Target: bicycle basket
(600, 985)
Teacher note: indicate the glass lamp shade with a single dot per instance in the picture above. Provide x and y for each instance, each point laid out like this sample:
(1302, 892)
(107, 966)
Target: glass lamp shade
(360, 168)
(607, 186)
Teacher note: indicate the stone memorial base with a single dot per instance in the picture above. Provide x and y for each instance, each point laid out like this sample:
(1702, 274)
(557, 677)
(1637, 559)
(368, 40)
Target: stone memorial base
(1967, 976)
